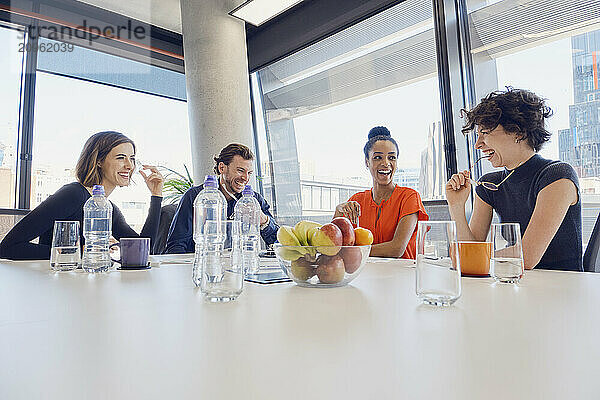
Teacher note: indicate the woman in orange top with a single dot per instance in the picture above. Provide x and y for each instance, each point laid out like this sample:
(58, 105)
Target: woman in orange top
(389, 211)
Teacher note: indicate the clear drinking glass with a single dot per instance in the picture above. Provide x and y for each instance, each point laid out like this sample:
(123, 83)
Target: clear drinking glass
(139, 165)
(222, 275)
(65, 254)
(438, 263)
(507, 253)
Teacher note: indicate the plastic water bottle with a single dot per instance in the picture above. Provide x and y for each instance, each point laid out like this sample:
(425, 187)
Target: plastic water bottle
(247, 211)
(210, 211)
(97, 228)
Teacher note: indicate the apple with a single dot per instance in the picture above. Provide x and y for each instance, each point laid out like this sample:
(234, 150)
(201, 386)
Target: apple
(302, 269)
(330, 269)
(352, 257)
(328, 239)
(347, 230)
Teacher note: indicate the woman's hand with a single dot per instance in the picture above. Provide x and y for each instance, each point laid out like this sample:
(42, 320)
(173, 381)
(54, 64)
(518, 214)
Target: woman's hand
(154, 180)
(350, 210)
(458, 189)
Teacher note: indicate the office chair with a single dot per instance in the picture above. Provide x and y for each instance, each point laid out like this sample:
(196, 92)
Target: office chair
(166, 216)
(591, 257)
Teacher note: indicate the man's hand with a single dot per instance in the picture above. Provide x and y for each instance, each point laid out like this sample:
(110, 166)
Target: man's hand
(263, 218)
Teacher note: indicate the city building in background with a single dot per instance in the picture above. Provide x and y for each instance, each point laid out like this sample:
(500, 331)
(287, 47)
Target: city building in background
(433, 165)
(46, 180)
(7, 175)
(580, 144)
(408, 177)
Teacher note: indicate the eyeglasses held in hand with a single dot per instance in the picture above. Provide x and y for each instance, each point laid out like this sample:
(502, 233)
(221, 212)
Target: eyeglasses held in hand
(490, 185)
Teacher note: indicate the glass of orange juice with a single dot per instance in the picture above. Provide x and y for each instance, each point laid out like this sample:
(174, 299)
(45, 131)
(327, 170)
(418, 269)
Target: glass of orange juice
(475, 257)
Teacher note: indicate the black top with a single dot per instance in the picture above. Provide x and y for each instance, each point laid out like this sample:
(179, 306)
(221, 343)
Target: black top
(181, 234)
(66, 205)
(515, 200)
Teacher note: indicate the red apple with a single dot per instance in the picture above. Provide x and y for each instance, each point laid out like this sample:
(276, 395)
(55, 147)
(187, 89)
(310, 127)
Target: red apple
(347, 230)
(352, 257)
(330, 269)
(328, 238)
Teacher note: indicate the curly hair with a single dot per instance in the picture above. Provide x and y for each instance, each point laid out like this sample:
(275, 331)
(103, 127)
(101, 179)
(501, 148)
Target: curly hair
(231, 150)
(519, 111)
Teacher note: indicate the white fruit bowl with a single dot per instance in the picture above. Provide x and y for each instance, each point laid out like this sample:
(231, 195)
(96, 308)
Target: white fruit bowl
(322, 266)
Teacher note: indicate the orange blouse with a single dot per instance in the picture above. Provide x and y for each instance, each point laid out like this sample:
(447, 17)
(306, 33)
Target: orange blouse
(382, 219)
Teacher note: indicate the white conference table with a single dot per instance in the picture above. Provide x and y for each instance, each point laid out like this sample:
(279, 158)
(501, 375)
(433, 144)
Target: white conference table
(150, 335)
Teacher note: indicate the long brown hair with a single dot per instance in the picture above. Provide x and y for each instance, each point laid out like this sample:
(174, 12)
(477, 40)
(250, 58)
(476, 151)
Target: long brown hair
(95, 150)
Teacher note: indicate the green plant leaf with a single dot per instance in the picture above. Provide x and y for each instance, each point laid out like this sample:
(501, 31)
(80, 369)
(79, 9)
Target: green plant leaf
(176, 184)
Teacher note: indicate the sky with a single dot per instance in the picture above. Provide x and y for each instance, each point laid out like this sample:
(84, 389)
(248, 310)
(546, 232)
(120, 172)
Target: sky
(408, 112)
(546, 70)
(10, 65)
(68, 111)
(72, 110)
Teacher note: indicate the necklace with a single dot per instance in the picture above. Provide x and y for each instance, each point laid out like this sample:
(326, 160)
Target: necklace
(383, 198)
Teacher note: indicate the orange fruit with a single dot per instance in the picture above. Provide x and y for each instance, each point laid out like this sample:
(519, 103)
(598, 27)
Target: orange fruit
(363, 237)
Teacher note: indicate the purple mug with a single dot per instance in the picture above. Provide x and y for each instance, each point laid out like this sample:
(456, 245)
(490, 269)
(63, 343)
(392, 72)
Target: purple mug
(134, 253)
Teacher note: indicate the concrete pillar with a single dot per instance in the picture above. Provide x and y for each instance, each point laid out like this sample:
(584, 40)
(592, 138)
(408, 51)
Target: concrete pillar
(216, 72)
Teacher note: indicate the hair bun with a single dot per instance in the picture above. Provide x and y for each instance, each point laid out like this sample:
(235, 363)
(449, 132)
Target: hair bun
(379, 131)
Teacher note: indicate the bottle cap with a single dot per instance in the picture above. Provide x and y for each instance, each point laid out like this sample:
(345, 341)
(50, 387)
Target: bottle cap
(248, 191)
(98, 190)
(211, 181)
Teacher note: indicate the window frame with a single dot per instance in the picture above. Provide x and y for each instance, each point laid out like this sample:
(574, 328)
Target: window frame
(23, 20)
(455, 74)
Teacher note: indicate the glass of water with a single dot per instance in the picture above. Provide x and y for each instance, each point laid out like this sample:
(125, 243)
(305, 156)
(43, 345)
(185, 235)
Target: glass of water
(438, 263)
(66, 252)
(222, 274)
(507, 253)
(139, 165)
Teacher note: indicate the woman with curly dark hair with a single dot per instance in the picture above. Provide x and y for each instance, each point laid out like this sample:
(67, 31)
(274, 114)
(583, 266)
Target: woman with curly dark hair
(541, 195)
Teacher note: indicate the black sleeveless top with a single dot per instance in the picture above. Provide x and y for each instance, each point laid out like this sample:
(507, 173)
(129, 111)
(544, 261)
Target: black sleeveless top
(515, 200)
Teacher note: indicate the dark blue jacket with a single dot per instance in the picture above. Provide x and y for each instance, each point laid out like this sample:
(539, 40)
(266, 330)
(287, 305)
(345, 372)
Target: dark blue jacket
(181, 233)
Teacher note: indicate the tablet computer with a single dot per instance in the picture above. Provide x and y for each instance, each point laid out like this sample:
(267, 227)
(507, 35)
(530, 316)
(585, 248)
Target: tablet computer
(272, 276)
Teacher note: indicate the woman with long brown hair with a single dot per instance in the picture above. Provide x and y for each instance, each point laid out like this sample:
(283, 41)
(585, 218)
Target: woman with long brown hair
(107, 159)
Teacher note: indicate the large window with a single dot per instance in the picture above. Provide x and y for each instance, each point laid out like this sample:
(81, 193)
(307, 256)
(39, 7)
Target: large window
(68, 110)
(317, 106)
(552, 49)
(11, 68)
(313, 108)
